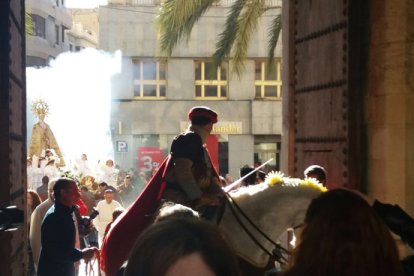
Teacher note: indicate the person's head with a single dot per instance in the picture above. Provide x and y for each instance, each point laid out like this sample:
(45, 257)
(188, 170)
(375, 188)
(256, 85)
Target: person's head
(103, 186)
(343, 236)
(84, 157)
(203, 116)
(48, 153)
(33, 199)
(109, 195)
(317, 172)
(117, 212)
(109, 163)
(66, 192)
(45, 180)
(181, 246)
(251, 179)
(84, 189)
(173, 210)
(127, 180)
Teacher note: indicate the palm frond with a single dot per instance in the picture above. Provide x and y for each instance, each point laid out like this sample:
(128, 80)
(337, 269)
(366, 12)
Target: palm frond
(200, 10)
(247, 23)
(28, 23)
(227, 37)
(273, 36)
(176, 19)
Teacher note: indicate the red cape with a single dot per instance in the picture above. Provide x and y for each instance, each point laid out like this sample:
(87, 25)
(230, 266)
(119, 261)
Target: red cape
(125, 230)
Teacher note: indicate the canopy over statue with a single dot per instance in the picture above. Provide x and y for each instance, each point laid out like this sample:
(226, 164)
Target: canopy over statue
(42, 136)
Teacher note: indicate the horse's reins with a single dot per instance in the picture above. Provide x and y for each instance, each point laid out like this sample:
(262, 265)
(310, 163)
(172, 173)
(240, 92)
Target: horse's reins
(277, 253)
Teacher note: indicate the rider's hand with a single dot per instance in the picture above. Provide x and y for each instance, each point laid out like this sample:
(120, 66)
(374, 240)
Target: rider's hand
(89, 253)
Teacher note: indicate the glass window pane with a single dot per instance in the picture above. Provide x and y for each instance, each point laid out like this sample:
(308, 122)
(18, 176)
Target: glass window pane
(271, 73)
(223, 74)
(210, 73)
(136, 70)
(258, 92)
(197, 65)
(150, 70)
(210, 91)
(198, 90)
(150, 90)
(163, 70)
(270, 91)
(258, 70)
(162, 90)
(223, 92)
(137, 90)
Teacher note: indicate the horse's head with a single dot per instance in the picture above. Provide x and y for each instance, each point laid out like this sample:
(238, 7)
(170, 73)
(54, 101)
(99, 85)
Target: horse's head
(271, 209)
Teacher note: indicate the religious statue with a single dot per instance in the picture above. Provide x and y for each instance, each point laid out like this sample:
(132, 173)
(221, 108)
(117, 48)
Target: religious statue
(43, 142)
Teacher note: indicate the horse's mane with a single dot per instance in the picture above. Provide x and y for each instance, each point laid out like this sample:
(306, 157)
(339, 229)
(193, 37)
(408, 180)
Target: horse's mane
(252, 190)
(247, 191)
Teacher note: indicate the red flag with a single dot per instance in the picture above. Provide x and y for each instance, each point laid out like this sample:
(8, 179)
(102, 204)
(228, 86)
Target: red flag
(121, 237)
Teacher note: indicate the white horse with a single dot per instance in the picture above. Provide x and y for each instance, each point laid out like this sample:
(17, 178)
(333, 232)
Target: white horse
(273, 209)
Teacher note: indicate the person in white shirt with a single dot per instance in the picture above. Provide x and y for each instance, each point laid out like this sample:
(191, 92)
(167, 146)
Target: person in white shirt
(105, 208)
(108, 173)
(82, 168)
(36, 222)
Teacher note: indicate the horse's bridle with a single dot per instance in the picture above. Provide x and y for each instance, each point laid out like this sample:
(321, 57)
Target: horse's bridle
(277, 252)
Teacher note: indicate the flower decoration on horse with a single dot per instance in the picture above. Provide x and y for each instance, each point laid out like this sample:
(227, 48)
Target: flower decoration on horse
(278, 178)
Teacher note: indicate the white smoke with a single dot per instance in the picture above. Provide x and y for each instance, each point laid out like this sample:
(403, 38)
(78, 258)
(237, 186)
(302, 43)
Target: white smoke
(77, 88)
(85, 4)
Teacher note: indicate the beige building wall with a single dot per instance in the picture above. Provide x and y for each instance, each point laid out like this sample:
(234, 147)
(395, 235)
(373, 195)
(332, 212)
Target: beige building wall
(81, 38)
(54, 15)
(390, 103)
(131, 29)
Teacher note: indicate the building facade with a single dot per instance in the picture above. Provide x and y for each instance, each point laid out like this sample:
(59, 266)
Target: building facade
(152, 95)
(51, 20)
(85, 29)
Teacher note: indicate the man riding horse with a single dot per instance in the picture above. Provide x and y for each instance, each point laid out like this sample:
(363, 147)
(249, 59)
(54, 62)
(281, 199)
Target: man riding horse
(186, 176)
(191, 179)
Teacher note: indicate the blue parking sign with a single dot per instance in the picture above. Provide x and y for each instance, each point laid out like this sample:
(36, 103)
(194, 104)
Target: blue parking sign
(121, 146)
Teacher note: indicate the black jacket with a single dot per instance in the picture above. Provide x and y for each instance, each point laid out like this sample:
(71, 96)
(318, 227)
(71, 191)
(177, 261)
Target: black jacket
(400, 223)
(58, 235)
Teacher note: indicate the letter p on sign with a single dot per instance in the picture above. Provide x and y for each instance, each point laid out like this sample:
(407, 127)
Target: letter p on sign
(121, 146)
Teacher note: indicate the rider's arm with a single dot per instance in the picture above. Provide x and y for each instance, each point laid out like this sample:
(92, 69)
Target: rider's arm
(185, 178)
(397, 220)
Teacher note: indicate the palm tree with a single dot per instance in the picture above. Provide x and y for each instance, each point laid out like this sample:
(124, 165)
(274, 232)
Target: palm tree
(176, 19)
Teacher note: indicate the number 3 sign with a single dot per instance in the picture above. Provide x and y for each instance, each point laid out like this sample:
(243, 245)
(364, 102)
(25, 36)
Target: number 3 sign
(149, 158)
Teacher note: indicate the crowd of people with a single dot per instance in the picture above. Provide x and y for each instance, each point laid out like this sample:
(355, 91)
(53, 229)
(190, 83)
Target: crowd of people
(103, 191)
(344, 232)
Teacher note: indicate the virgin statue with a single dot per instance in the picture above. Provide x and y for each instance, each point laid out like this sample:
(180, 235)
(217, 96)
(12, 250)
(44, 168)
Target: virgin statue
(43, 140)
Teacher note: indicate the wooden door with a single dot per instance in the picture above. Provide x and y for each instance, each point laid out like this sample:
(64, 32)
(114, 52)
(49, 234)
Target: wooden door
(327, 75)
(13, 248)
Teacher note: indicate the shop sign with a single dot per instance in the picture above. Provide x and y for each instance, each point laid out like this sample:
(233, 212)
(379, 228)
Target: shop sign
(220, 127)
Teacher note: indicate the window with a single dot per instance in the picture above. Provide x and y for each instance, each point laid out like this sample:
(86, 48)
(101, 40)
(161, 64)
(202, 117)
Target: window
(265, 148)
(38, 25)
(150, 78)
(63, 34)
(77, 48)
(267, 82)
(57, 34)
(70, 47)
(210, 83)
